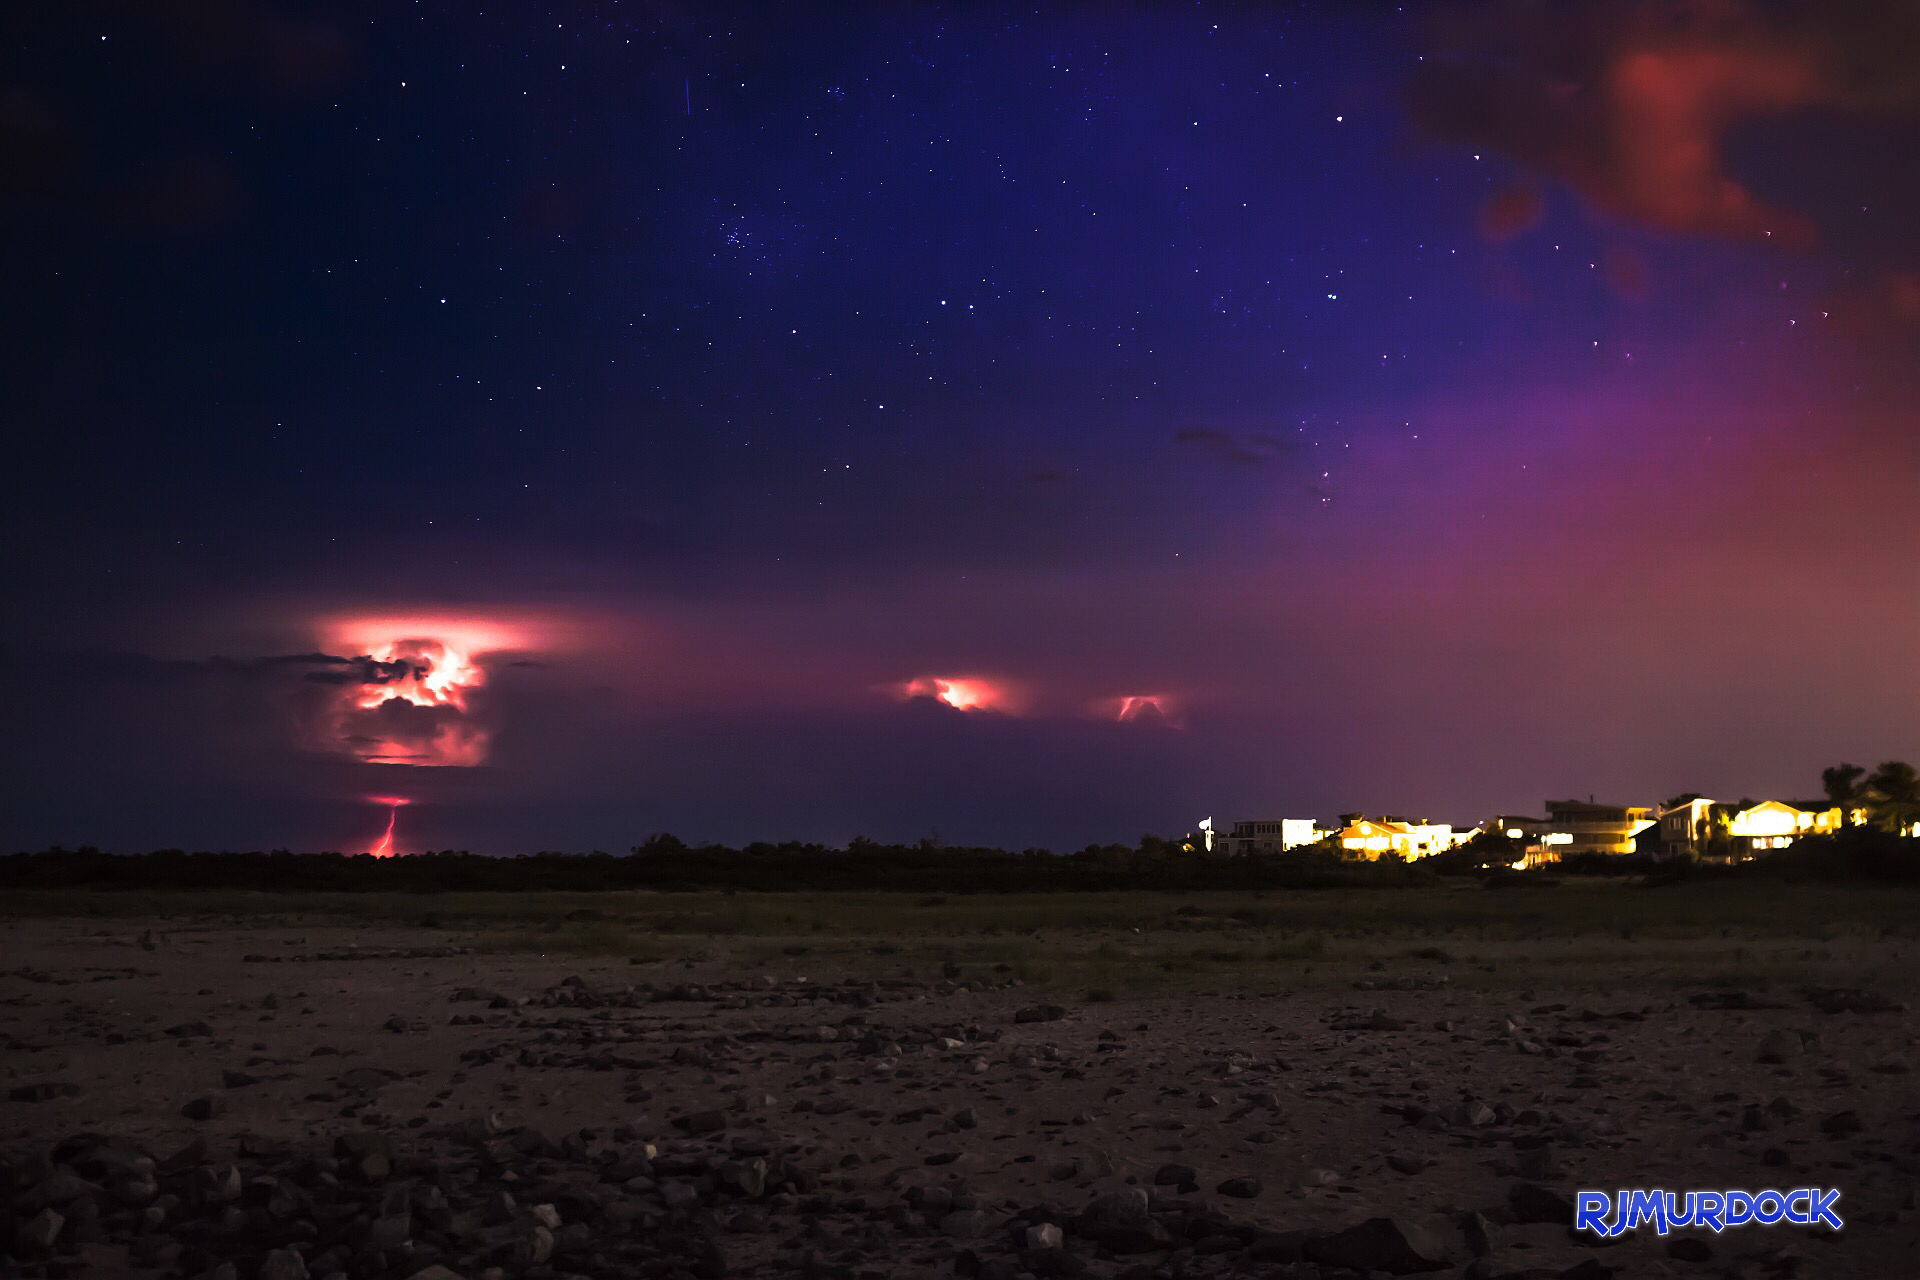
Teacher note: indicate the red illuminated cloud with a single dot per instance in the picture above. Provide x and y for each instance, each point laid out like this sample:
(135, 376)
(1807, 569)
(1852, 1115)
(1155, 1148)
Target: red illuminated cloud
(970, 693)
(411, 691)
(1136, 706)
(1147, 708)
(1630, 103)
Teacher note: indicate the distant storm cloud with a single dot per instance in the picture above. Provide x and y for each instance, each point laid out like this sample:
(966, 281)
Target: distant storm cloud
(964, 693)
(1630, 104)
(1141, 708)
(413, 691)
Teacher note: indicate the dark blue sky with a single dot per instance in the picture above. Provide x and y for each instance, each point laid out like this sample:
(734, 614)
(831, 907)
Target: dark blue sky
(1433, 409)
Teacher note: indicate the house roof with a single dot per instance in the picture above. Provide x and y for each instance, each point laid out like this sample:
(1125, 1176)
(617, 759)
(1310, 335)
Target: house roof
(1588, 806)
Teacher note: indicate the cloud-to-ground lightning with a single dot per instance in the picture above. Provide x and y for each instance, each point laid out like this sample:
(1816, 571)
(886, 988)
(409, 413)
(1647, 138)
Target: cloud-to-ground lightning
(384, 848)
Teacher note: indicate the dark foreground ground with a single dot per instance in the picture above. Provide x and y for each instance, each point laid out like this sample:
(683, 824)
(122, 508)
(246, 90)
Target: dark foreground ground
(1328, 1084)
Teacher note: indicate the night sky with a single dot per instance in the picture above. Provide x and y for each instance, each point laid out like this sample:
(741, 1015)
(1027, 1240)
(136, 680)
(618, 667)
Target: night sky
(1022, 426)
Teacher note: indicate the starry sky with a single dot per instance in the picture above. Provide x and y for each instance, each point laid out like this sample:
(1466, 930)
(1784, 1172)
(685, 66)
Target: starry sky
(1017, 425)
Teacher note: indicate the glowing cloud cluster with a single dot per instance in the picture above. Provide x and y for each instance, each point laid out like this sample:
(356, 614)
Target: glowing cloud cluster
(1140, 706)
(962, 694)
(407, 697)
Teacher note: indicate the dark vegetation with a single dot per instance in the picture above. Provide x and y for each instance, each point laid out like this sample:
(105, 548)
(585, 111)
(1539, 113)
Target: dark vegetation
(665, 864)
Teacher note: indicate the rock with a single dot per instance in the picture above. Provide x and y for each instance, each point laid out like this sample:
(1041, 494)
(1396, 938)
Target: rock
(1473, 1115)
(1380, 1244)
(1093, 1164)
(391, 1231)
(1040, 1013)
(1239, 1188)
(1840, 1124)
(1478, 1233)
(1044, 1236)
(203, 1109)
(365, 1079)
(1123, 1224)
(238, 1079)
(56, 1191)
(966, 1224)
(40, 1231)
(743, 1177)
(283, 1264)
(1531, 1203)
(1045, 1263)
(964, 1118)
(1174, 1175)
(701, 1121)
(42, 1091)
(366, 1155)
(1779, 1045)
(1276, 1246)
(434, 1272)
(187, 1030)
(1124, 1208)
(1689, 1249)
(218, 1186)
(187, 1157)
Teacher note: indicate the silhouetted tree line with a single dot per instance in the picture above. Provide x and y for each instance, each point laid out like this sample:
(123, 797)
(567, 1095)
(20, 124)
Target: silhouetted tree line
(1890, 795)
(665, 863)
(1880, 850)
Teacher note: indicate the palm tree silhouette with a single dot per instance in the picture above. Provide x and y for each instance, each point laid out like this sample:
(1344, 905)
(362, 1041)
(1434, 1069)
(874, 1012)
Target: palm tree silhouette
(1893, 796)
(1843, 789)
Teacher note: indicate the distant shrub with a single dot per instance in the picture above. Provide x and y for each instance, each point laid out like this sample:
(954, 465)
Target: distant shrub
(665, 864)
